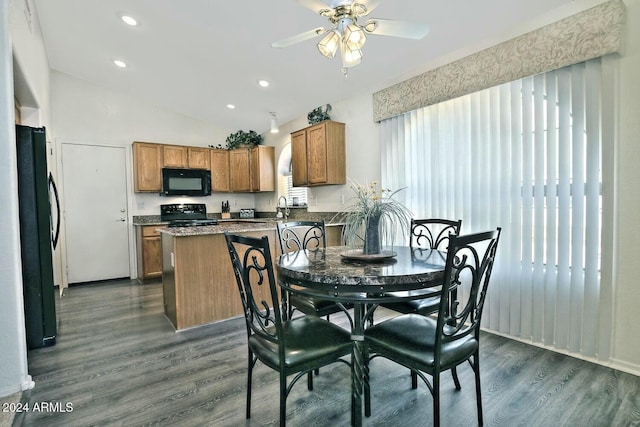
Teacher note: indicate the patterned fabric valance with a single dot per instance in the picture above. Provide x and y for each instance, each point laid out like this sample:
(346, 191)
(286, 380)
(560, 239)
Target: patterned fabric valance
(586, 35)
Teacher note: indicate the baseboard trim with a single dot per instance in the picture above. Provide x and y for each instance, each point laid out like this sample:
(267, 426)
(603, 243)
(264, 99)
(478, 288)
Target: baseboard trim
(612, 363)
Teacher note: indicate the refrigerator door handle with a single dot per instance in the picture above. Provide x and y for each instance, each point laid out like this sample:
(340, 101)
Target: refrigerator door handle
(54, 233)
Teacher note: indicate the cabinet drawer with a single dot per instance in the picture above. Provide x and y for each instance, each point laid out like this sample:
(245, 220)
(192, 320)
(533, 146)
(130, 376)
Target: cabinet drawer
(150, 231)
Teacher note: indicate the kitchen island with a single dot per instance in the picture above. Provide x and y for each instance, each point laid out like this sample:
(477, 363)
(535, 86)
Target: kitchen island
(198, 283)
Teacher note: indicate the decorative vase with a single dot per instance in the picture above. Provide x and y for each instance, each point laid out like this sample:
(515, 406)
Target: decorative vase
(372, 236)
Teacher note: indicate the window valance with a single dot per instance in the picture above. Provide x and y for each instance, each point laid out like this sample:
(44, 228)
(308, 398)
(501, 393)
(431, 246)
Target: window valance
(590, 34)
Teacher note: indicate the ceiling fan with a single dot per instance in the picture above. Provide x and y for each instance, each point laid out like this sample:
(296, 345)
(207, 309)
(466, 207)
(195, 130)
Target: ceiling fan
(347, 33)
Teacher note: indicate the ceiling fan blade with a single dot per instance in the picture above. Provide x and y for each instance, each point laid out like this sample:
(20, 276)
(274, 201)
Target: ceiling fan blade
(388, 27)
(315, 5)
(299, 37)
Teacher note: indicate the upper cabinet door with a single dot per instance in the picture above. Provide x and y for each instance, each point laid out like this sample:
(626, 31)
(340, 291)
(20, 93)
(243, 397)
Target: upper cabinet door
(220, 176)
(175, 156)
(199, 158)
(318, 155)
(263, 168)
(147, 166)
(299, 158)
(240, 163)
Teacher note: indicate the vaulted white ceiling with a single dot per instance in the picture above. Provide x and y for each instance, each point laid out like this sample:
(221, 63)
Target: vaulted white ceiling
(196, 56)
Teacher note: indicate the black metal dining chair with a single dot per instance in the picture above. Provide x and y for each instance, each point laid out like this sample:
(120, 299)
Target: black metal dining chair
(431, 345)
(430, 233)
(300, 235)
(290, 347)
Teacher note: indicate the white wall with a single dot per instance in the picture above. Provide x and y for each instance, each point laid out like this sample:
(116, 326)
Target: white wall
(13, 357)
(626, 344)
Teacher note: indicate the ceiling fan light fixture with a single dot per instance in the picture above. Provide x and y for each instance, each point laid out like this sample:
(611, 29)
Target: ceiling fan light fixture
(350, 57)
(274, 123)
(354, 37)
(328, 46)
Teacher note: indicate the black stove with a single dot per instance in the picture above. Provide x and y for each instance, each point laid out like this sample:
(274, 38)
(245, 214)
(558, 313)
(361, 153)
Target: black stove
(191, 222)
(186, 215)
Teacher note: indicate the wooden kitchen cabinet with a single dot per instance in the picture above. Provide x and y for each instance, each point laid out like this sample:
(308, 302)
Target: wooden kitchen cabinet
(252, 169)
(149, 252)
(241, 170)
(220, 174)
(147, 167)
(318, 155)
(239, 164)
(178, 156)
(198, 158)
(175, 156)
(263, 168)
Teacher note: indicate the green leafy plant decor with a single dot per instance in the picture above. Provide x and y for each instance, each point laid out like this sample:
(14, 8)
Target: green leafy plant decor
(373, 217)
(318, 115)
(242, 138)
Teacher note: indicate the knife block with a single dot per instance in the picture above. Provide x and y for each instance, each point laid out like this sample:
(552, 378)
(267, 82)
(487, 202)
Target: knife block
(226, 215)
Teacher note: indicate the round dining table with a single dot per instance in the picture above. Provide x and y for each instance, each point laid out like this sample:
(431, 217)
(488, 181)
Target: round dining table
(346, 276)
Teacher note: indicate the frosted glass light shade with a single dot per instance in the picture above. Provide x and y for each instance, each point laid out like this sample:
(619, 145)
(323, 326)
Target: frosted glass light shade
(354, 37)
(328, 46)
(350, 57)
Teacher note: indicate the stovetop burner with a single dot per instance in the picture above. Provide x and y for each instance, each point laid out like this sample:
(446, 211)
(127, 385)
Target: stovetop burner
(192, 222)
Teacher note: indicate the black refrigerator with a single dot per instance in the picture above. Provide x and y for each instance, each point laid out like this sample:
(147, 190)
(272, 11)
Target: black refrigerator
(36, 236)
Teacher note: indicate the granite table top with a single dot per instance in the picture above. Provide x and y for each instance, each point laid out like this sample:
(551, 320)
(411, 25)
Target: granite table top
(331, 270)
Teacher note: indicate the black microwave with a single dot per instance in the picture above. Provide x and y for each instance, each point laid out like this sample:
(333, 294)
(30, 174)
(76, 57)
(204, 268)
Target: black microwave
(186, 182)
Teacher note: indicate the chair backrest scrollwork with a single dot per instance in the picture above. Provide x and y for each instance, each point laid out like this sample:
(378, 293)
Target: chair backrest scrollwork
(253, 268)
(469, 264)
(433, 233)
(300, 235)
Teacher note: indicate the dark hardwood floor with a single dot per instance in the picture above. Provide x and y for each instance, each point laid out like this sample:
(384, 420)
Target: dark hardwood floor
(118, 362)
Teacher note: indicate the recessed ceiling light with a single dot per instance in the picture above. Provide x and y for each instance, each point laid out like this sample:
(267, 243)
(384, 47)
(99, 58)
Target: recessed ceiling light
(231, 106)
(119, 63)
(129, 20)
(263, 83)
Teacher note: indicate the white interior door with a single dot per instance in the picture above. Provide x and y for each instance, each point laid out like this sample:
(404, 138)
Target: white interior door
(95, 212)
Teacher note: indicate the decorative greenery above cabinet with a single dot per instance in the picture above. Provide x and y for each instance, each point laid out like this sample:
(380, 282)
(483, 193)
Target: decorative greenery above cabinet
(241, 170)
(318, 155)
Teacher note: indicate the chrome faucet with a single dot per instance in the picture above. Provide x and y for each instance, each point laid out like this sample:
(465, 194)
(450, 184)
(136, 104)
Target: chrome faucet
(282, 212)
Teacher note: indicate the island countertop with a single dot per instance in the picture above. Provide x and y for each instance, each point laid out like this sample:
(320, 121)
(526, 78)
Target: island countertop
(231, 226)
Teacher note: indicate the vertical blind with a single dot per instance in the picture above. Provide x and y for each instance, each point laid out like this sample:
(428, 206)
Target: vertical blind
(525, 156)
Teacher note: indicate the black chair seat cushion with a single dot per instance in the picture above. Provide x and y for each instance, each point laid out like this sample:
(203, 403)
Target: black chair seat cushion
(410, 338)
(308, 341)
(422, 306)
(313, 306)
